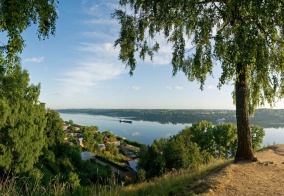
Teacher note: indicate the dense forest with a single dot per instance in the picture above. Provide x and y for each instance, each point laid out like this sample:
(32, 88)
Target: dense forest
(262, 117)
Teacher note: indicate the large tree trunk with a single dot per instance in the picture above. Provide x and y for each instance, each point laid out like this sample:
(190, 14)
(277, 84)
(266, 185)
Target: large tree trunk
(244, 150)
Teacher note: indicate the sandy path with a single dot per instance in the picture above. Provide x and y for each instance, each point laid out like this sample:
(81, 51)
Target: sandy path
(265, 177)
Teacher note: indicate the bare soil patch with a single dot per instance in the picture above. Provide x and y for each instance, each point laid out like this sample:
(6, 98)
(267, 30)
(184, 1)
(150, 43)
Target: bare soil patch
(265, 177)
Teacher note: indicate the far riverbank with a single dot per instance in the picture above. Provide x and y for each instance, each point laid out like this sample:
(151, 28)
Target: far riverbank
(145, 132)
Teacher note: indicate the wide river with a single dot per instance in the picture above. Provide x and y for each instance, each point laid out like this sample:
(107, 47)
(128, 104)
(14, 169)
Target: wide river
(145, 132)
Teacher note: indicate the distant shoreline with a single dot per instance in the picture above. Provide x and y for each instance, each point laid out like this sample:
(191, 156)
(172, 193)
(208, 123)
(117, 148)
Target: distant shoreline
(262, 117)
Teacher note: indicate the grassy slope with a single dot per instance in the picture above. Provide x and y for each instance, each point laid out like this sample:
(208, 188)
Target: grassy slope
(172, 183)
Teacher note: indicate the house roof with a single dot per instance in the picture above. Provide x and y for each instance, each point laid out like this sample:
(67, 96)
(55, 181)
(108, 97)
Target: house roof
(87, 155)
(133, 164)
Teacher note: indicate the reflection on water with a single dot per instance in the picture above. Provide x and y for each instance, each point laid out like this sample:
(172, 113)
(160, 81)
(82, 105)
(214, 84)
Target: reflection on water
(145, 132)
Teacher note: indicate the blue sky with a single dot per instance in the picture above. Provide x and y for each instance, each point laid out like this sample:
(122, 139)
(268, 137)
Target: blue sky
(79, 67)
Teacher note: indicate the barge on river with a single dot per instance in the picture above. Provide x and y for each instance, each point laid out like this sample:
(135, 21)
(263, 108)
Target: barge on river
(125, 121)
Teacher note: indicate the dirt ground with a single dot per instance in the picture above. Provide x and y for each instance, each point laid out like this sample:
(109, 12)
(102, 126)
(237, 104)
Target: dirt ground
(265, 177)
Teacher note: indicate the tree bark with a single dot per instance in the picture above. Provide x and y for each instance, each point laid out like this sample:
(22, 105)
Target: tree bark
(244, 150)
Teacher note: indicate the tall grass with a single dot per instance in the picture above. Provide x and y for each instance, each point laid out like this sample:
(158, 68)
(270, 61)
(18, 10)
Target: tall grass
(172, 182)
(18, 186)
(169, 184)
(11, 185)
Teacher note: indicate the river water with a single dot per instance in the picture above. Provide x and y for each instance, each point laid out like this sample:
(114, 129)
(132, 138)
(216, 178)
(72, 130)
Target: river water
(145, 132)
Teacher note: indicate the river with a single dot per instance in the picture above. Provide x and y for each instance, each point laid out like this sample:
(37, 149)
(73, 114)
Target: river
(145, 132)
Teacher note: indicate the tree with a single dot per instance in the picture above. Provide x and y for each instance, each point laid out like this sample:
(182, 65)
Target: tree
(201, 134)
(112, 148)
(181, 152)
(22, 119)
(245, 37)
(89, 140)
(225, 139)
(70, 122)
(54, 128)
(22, 127)
(151, 159)
(257, 136)
(16, 16)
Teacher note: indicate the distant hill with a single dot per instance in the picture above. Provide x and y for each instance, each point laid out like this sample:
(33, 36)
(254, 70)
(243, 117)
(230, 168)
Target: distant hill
(262, 117)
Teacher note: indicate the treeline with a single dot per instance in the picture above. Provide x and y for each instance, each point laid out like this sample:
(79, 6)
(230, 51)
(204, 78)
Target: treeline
(193, 146)
(262, 117)
(32, 138)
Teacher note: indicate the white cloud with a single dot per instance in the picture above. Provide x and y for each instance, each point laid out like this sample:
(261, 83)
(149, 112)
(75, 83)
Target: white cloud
(101, 21)
(211, 87)
(97, 35)
(89, 73)
(94, 8)
(175, 87)
(98, 64)
(178, 87)
(112, 6)
(98, 7)
(99, 59)
(33, 60)
(136, 88)
(104, 48)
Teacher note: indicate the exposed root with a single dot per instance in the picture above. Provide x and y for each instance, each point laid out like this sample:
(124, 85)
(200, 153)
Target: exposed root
(252, 159)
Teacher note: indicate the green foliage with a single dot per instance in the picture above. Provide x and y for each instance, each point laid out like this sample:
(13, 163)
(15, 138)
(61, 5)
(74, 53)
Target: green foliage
(257, 134)
(245, 37)
(230, 32)
(141, 175)
(89, 140)
(17, 16)
(171, 183)
(54, 128)
(112, 149)
(151, 159)
(90, 172)
(72, 128)
(108, 134)
(22, 134)
(180, 152)
(70, 122)
(225, 139)
(201, 134)
(195, 145)
(98, 137)
(220, 140)
(74, 180)
(22, 118)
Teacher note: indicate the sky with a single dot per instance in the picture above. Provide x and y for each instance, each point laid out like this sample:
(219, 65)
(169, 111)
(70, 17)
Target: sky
(79, 67)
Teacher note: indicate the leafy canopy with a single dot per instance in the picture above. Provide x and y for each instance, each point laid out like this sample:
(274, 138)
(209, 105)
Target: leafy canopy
(16, 16)
(226, 31)
(22, 125)
(22, 116)
(195, 145)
